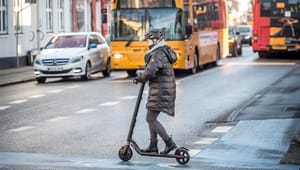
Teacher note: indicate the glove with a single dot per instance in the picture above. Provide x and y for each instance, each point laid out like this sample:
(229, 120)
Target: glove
(135, 81)
(138, 78)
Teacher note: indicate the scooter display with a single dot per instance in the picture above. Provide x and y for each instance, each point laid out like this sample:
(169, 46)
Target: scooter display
(181, 154)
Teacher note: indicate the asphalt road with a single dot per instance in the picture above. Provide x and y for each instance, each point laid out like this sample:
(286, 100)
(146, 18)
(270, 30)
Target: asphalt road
(85, 121)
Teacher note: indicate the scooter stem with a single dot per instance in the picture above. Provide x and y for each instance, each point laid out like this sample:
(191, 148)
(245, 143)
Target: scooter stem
(135, 112)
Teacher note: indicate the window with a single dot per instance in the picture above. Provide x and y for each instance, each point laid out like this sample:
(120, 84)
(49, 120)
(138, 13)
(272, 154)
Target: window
(3, 17)
(265, 8)
(49, 15)
(18, 20)
(60, 15)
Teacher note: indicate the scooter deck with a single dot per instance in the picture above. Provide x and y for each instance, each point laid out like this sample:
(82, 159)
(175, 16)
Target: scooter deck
(138, 150)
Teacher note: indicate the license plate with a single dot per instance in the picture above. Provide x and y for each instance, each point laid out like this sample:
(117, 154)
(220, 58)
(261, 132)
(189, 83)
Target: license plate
(55, 68)
(279, 47)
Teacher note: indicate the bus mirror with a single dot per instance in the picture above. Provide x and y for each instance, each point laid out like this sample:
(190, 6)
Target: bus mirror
(189, 30)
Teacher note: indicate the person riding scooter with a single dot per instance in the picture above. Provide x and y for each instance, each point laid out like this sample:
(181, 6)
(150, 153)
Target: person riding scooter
(162, 88)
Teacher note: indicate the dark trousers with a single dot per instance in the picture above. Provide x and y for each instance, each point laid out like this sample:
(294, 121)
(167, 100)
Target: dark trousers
(155, 126)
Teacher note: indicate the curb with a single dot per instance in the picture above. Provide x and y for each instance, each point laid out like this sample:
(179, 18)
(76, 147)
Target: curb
(16, 82)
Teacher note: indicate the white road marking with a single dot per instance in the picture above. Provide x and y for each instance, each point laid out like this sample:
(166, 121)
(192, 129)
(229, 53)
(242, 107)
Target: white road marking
(55, 91)
(109, 103)
(55, 119)
(73, 87)
(18, 101)
(36, 96)
(194, 152)
(4, 107)
(206, 141)
(20, 129)
(129, 97)
(167, 165)
(222, 129)
(86, 110)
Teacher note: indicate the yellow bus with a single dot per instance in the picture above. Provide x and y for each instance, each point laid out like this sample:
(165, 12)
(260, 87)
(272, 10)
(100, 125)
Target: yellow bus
(195, 29)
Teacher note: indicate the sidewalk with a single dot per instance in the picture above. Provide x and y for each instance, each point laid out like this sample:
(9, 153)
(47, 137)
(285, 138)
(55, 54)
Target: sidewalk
(16, 75)
(264, 133)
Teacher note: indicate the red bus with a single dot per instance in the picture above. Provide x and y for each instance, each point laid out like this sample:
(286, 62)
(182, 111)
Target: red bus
(276, 27)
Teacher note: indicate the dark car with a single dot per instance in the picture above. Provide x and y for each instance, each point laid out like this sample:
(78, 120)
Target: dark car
(246, 33)
(235, 42)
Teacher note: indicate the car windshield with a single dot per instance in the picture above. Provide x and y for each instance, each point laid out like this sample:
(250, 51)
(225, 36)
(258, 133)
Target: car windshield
(67, 41)
(244, 29)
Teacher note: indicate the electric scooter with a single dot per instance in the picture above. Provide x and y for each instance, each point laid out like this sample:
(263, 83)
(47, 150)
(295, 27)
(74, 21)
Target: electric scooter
(181, 154)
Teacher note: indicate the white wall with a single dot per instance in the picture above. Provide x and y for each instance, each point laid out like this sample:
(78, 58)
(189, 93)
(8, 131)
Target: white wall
(28, 39)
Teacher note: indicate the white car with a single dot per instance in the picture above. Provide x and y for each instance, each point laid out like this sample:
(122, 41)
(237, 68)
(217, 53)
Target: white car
(73, 54)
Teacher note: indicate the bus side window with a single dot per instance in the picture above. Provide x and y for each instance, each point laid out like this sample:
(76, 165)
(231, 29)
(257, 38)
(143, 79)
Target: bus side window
(215, 12)
(265, 8)
(204, 16)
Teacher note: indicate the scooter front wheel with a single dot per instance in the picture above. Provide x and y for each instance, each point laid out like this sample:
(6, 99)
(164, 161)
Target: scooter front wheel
(183, 155)
(125, 153)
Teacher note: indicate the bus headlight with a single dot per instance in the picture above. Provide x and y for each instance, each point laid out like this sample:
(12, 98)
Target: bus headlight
(118, 56)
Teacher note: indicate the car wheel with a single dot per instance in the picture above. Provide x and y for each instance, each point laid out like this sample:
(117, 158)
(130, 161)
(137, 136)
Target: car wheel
(41, 79)
(106, 72)
(240, 51)
(88, 72)
(234, 51)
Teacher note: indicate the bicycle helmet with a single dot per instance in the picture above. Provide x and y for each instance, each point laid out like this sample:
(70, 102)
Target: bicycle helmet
(155, 34)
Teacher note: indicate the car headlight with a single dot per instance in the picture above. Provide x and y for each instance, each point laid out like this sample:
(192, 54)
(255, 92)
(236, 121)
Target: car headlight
(247, 37)
(76, 59)
(37, 61)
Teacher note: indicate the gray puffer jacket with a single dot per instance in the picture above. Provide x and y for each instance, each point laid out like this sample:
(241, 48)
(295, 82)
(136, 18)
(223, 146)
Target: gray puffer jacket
(160, 74)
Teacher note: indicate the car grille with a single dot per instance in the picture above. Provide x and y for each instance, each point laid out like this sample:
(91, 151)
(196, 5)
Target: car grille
(56, 72)
(55, 62)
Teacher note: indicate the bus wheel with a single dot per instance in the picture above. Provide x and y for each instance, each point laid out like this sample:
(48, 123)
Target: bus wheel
(218, 56)
(131, 73)
(195, 67)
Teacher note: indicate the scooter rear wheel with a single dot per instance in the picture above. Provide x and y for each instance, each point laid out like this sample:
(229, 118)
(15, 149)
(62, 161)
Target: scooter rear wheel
(125, 153)
(185, 156)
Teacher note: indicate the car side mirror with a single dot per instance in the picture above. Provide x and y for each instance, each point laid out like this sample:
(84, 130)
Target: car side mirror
(93, 45)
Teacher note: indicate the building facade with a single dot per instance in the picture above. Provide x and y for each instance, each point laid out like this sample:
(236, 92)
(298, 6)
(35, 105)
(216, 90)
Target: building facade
(26, 25)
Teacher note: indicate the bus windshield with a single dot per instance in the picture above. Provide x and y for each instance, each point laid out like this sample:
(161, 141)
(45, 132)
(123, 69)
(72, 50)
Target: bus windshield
(132, 24)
